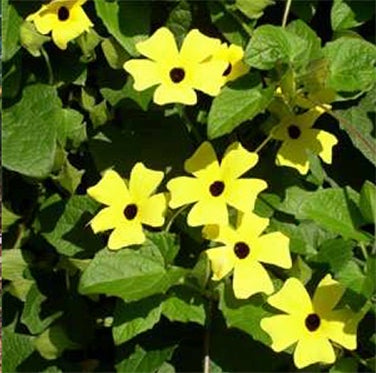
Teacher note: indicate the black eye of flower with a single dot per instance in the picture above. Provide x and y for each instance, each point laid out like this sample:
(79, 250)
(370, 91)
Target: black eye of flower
(130, 211)
(294, 132)
(63, 13)
(217, 188)
(177, 74)
(312, 322)
(241, 250)
(228, 70)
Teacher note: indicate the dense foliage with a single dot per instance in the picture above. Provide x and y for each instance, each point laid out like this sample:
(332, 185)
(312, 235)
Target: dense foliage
(84, 107)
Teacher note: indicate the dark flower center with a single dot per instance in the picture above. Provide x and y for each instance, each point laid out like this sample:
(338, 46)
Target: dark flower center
(294, 132)
(177, 74)
(217, 188)
(130, 211)
(241, 250)
(228, 70)
(63, 13)
(312, 322)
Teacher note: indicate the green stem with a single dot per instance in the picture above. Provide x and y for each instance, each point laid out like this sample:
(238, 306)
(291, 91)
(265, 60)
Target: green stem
(364, 251)
(48, 64)
(263, 144)
(189, 125)
(207, 337)
(173, 217)
(286, 12)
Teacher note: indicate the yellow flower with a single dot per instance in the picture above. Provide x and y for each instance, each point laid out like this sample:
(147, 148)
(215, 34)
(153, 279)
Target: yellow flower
(214, 185)
(65, 18)
(244, 250)
(233, 56)
(297, 135)
(311, 323)
(177, 73)
(128, 206)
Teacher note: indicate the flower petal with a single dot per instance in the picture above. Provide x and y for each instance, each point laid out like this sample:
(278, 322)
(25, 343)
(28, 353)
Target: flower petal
(237, 161)
(160, 47)
(307, 119)
(251, 225)
(250, 277)
(143, 181)
(293, 154)
(152, 211)
(235, 56)
(207, 77)
(327, 141)
(145, 73)
(292, 298)
(197, 46)
(203, 161)
(208, 211)
(284, 330)
(108, 218)
(221, 233)
(312, 349)
(273, 248)
(184, 190)
(327, 295)
(43, 23)
(174, 93)
(242, 193)
(126, 235)
(110, 190)
(222, 261)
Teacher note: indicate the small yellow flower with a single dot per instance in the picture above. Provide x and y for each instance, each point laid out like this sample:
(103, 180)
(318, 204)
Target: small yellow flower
(298, 136)
(311, 323)
(177, 73)
(233, 56)
(65, 18)
(244, 250)
(214, 185)
(128, 206)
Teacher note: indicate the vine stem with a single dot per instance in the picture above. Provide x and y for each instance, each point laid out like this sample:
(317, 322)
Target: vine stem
(263, 143)
(48, 64)
(173, 217)
(364, 251)
(207, 338)
(286, 12)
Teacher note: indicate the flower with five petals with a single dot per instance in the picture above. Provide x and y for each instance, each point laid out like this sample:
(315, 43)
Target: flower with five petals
(65, 18)
(129, 205)
(243, 250)
(298, 136)
(177, 73)
(216, 185)
(311, 323)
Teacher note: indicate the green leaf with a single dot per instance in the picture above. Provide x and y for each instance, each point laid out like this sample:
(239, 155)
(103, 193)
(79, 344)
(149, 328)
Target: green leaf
(10, 30)
(271, 44)
(72, 131)
(65, 226)
(14, 264)
(114, 53)
(300, 270)
(131, 319)
(29, 131)
(345, 365)
(16, 348)
(352, 64)
(167, 243)
(8, 218)
(237, 103)
(129, 274)
(184, 305)
(179, 20)
(69, 177)
(134, 25)
(31, 315)
(342, 16)
(31, 39)
(367, 202)
(142, 361)
(253, 9)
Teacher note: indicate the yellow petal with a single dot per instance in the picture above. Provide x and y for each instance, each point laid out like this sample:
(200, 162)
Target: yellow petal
(108, 218)
(273, 248)
(174, 93)
(126, 235)
(242, 193)
(307, 119)
(160, 47)
(145, 73)
(327, 141)
(208, 211)
(197, 47)
(327, 295)
(222, 261)
(237, 161)
(251, 225)
(284, 330)
(339, 328)
(293, 155)
(203, 161)
(184, 190)
(152, 211)
(207, 77)
(238, 67)
(110, 190)
(44, 24)
(143, 181)
(250, 277)
(312, 349)
(292, 298)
